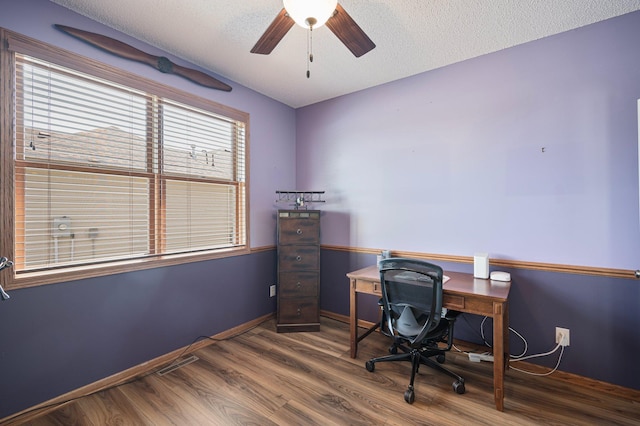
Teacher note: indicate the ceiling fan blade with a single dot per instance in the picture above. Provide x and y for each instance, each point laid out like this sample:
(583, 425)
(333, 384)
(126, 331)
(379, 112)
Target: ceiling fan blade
(160, 63)
(272, 36)
(349, 33)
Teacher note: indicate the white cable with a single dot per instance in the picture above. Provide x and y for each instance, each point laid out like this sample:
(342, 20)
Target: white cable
(482, 331)
(458, 349)
(521, 357)
(542, 374)
(539, 355)
(526, 345)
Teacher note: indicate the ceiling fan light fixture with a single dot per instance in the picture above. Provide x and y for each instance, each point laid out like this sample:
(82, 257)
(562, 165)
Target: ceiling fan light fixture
(310, 13)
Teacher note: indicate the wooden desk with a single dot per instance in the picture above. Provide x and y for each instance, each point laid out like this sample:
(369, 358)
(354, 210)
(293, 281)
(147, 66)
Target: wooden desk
(462, 292)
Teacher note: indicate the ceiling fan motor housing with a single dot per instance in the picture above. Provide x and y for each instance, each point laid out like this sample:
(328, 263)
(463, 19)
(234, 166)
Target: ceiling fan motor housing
(310, 13)
(336, 18)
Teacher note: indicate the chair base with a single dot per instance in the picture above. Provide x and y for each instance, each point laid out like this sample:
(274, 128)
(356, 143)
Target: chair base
(418, 356)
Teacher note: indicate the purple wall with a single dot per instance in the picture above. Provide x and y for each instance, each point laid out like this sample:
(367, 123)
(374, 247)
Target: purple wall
(57, 338)
(272, 124)
(454, 141)
(451, 162)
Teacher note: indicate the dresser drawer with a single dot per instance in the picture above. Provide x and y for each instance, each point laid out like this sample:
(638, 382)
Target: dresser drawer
(298, 262)
(298, 284)
(298, 258)
(300, 310)
(298, 231)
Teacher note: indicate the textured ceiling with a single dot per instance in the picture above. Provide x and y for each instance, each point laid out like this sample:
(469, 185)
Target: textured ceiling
(412, 36)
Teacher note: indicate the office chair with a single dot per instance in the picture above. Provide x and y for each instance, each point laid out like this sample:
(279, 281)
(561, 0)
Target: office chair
(412, 316)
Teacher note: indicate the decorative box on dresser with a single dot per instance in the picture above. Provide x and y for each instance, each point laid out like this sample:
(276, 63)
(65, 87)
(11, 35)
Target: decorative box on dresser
(298, 270)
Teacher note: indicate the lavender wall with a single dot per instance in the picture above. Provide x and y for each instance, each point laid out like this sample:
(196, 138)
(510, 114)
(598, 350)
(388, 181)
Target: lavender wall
(272, 123)
(451, 162)
(454, 139)
(56, 338)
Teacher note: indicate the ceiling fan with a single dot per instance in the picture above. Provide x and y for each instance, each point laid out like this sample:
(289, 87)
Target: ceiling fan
(312, 14)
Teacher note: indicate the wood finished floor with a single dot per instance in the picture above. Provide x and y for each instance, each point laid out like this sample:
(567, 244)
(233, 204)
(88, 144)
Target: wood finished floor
(265, 378)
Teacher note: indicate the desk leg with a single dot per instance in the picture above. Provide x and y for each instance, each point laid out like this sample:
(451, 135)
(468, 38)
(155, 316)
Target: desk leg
(500, 344)
(507, 349)
(353, 319)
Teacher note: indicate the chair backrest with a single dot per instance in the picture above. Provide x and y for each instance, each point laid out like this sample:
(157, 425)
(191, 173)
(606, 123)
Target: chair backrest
(411, 297)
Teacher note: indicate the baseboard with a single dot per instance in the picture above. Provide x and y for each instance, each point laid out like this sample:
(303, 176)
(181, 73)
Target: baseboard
(129, 374)
(575, 379)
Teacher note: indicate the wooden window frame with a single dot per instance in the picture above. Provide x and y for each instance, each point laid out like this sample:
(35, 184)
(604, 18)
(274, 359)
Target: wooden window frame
(12, 43)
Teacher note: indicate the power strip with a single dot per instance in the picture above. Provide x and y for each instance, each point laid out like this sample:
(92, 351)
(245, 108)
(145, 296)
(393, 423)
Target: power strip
(480, 357)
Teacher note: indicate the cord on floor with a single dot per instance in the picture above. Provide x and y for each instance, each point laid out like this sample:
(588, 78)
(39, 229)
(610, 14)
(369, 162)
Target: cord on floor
(520, 357)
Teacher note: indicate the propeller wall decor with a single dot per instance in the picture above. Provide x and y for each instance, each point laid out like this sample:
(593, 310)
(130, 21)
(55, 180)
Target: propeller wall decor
(339, 22)
(160, 63)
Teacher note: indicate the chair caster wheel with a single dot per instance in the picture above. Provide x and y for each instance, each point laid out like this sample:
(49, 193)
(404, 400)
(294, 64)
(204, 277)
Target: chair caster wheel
(440, 358)
(458, 387)
(370, 366)
(409, 396)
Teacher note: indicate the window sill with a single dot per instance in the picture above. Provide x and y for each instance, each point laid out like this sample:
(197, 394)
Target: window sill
(32, 279)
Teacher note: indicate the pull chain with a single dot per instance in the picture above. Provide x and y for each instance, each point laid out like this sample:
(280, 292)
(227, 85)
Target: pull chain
(309, 50)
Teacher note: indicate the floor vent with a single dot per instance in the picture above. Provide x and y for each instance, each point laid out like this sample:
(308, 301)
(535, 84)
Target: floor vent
(178, 364)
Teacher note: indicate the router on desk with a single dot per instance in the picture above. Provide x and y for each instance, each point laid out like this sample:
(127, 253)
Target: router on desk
(481, 269)
(500, 276)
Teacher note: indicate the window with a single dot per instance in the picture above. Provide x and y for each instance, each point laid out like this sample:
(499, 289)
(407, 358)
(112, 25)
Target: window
(108, 173)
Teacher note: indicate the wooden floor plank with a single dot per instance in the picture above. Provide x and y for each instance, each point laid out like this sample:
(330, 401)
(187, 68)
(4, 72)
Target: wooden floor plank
(266, 378)
(294, 379)
(227, 390)
(157, 405)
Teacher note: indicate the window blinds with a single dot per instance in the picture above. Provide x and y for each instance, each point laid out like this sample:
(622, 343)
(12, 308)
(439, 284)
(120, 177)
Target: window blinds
(106, 172)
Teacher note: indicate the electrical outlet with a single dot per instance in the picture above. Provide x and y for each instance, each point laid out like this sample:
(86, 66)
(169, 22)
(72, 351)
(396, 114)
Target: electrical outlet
(562, 336)
(272, 290)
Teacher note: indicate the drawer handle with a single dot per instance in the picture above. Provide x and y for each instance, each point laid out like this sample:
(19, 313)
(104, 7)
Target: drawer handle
(298, 284)
(299, 312)
(299, 231)
(298, 258)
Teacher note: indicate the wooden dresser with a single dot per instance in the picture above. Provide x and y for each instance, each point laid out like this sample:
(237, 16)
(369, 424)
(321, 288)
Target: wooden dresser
(298, 270)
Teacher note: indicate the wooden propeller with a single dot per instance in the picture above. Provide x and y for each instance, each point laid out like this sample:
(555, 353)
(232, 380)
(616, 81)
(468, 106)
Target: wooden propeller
(160, 63)
(340, 23)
